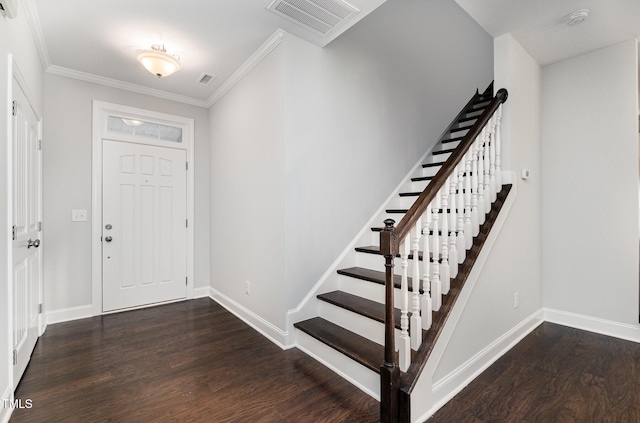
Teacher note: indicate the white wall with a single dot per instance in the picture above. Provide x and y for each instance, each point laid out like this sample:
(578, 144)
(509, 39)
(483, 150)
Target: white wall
(489, 322)
(247, 192)
(322, 136)
(67, 184)
(361, 112)
(16, 39)
(590, 184)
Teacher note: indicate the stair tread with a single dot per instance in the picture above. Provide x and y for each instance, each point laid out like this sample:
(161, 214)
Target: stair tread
(432, 164)
(371, 309)
(467, 119)
(354, 346)
(421, 178)
(454, 139)
(450, 150)
(401, 211)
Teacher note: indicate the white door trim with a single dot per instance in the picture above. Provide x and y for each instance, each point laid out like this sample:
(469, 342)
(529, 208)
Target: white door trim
(101, 110)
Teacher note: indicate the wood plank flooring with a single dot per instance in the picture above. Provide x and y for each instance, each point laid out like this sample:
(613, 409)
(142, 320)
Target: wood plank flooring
(185, 362)
(555, 374)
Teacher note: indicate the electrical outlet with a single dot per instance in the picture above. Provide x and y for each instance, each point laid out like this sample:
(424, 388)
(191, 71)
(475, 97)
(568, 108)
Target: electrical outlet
(516, 300)
(247, 287)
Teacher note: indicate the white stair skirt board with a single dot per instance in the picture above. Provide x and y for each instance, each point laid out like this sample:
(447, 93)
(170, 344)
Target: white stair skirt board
(267, 329)
(358, 375)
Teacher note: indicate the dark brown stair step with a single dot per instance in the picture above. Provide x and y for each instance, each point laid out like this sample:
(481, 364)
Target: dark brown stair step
(467, 119)
(421, 178)
(404, 211)
(417, 193)
(465, 128)
(454, 139)
(354, 346)
(373, 276)
(451, 150)
(367, 308)
(432, 164)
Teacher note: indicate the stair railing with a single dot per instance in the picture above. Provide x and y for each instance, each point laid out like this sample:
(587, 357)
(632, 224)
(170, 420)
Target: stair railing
(450, 209)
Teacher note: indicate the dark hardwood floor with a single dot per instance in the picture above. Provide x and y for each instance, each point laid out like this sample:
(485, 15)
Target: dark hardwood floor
(555, 374)
(185, 362)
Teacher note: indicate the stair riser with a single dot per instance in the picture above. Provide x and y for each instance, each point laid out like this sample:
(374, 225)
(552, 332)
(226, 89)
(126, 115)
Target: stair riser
(360, 376)
(374, 262)
(369, 290)
(363, 326)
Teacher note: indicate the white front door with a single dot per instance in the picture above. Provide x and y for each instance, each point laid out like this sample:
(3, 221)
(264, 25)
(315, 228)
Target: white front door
(27, 253)
(144, 224)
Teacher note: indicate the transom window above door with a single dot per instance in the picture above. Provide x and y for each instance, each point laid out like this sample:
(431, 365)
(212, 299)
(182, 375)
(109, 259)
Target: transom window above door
(143, 129)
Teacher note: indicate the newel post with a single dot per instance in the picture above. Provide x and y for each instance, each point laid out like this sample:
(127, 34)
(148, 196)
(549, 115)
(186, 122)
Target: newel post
(389, 371)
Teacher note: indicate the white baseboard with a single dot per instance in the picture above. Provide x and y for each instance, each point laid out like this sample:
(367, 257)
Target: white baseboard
(5, 412)
(459, 378)
(593, 324)
(272, 332)
(69, 314)
(202, 292)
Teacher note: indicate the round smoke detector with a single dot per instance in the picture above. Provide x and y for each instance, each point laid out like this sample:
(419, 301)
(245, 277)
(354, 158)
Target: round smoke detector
(577, 17)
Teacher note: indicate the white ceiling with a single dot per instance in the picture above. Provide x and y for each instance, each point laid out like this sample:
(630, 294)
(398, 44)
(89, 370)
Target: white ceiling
(97, 40)
(539, 25)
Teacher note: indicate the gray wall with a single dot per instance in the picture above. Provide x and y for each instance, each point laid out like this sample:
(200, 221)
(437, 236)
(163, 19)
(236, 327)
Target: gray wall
(590, 184)
(67, 184)
(361, 112)
(356, 116)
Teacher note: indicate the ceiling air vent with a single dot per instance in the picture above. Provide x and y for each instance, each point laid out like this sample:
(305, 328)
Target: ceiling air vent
(318, 16)
(205, 78)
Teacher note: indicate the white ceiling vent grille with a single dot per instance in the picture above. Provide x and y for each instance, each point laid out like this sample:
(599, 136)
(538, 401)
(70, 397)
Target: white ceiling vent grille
(318, 16)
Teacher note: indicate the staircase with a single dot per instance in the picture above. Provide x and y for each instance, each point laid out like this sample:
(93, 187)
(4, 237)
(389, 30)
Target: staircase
(446, 210)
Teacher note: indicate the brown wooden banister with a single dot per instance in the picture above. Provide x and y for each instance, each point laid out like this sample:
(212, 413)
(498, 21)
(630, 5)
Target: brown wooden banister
(390, 240)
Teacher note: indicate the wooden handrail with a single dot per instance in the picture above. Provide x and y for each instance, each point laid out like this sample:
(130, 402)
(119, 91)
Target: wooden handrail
(390, 239)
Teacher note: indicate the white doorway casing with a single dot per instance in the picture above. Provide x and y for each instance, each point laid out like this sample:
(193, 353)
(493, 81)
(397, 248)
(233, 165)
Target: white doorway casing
(101, 113)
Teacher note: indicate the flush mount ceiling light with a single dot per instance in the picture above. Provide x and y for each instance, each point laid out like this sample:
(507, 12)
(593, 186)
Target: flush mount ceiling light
(577, 17)
(158, 61)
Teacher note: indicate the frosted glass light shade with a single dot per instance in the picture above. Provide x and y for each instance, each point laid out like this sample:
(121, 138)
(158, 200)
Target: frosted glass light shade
(158, 61)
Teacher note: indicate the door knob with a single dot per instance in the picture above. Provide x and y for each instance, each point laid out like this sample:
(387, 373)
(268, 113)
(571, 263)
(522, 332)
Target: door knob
(32, 243)
(108, 239)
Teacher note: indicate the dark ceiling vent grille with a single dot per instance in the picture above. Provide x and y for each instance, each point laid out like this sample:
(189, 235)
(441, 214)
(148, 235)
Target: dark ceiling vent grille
(318, 16)
(205, 78)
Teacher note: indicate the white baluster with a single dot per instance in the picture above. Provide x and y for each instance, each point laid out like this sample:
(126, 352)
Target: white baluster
(474, 188)
(453, 248)
(498, 147)
(482, 207)
(436, 286)
(460, 240)
(416, 322)
(426, 305)
(404, 347)
(445, 274)
(492, 159)
(468, 232)
(486, 177)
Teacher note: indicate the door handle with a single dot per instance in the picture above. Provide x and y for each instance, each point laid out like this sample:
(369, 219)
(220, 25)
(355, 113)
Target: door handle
(32, 243)
(108, 239)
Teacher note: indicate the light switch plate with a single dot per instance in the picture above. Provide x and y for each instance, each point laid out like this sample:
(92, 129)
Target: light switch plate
(78, 215)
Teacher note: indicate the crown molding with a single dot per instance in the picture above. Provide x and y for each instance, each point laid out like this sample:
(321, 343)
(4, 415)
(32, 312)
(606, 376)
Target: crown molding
(114, 83)
(272, 42)
(33, 20)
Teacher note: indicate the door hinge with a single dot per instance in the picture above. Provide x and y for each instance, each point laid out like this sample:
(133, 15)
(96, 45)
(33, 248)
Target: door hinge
(40, 308)
(14, 107)
(39, 144)
(39, 226)
(186, 280)
(15, 357)
(186, 166)
(187, 222)
(13, 231)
